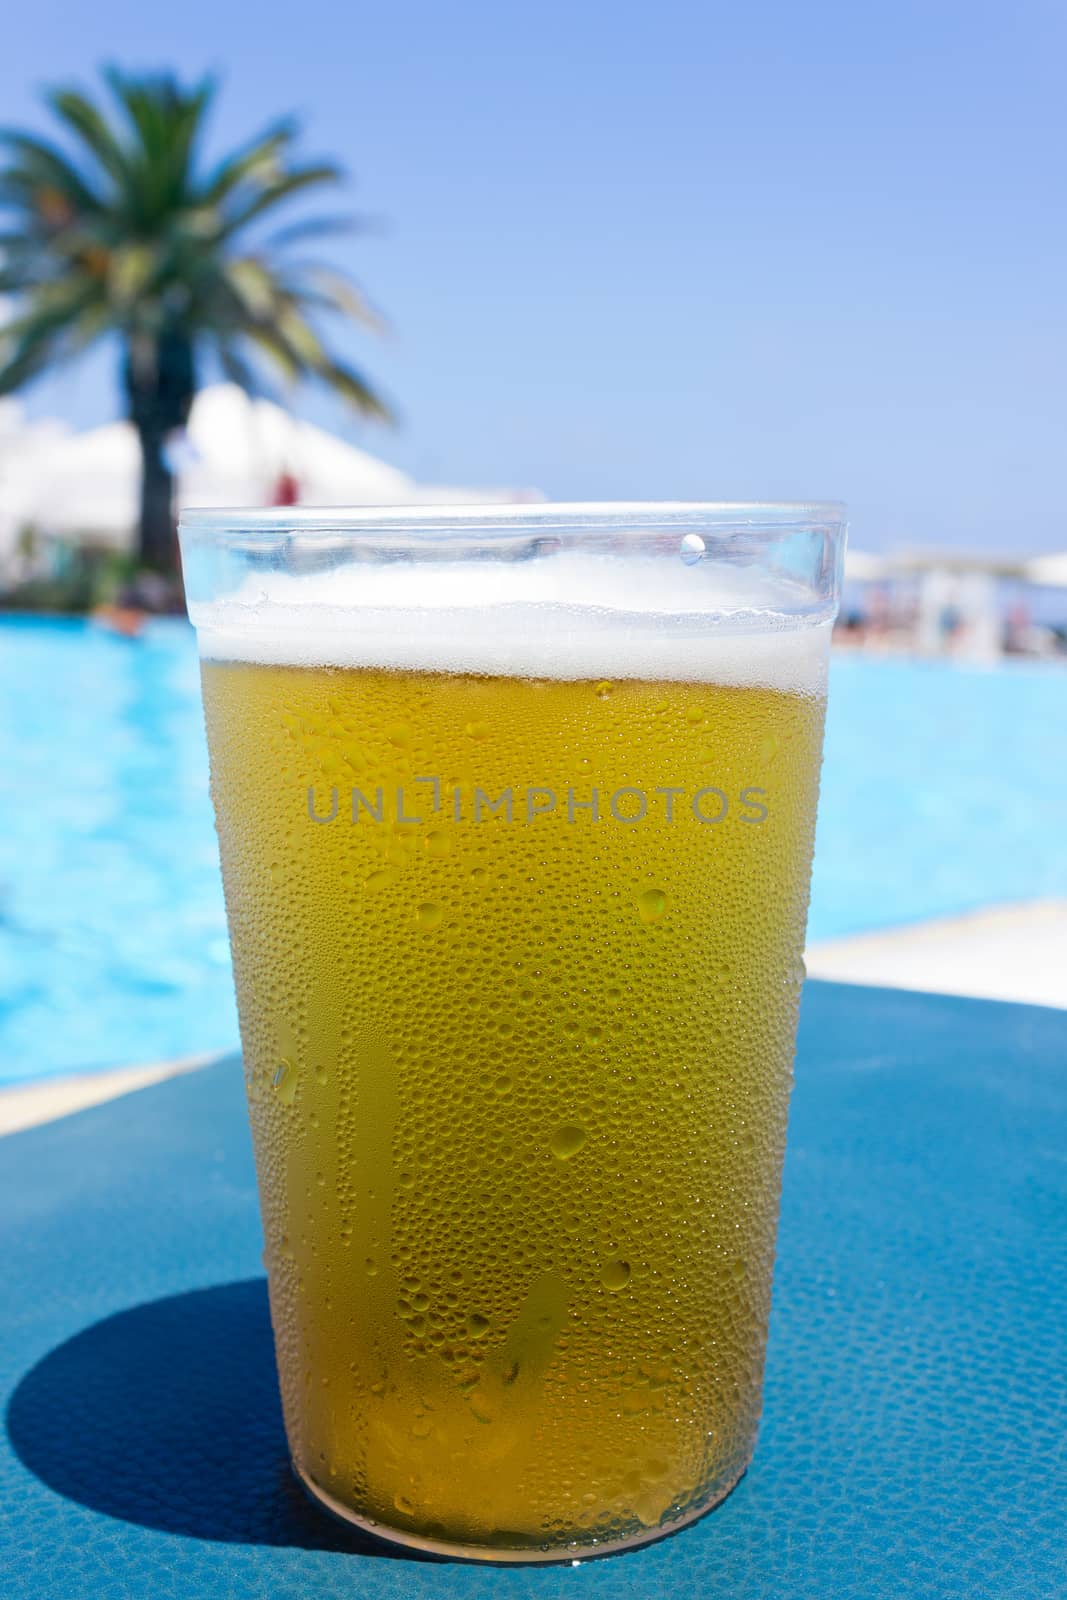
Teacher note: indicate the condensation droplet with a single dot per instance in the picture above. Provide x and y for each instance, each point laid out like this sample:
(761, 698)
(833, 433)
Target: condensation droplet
(615, 1276)
(652, 906)
(284, 1082)
(428, 917)
(567, 1141)
(691, 549)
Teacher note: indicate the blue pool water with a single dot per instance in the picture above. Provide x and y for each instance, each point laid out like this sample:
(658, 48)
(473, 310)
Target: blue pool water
(943, 789)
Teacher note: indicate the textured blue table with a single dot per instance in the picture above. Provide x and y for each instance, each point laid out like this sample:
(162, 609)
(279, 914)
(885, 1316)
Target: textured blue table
(913, 1438)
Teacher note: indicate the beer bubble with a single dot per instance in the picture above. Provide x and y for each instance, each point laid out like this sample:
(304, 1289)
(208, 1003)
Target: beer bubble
(604, 688)
(615, 1276)
(428, 917)
(652, 906)
(567, 1141)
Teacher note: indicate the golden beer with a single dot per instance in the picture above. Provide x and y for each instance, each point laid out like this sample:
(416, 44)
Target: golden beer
(518, 962)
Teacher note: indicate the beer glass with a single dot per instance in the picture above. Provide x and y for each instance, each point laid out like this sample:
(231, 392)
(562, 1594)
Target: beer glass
(515, 807)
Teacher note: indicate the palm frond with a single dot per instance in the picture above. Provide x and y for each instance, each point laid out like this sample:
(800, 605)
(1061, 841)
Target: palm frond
(329, 227)
(279, 189)
(353, 387)
(39, 165)
(332, 291)
(258, 160)
(92, 129)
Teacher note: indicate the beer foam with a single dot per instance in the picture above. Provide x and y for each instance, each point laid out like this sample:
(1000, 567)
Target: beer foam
(571, 617)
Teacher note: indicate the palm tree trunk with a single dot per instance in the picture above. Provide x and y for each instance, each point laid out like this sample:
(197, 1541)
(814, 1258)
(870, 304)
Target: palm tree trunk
(160, 380)
(157, 540)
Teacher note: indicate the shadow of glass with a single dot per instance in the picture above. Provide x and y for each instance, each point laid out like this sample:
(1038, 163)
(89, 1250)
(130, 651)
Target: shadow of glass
(168, 1415)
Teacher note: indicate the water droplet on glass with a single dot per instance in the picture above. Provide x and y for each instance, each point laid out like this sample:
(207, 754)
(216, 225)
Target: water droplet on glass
(399, 733)
(477, 1325)
(503, 1084)
(477, 730)
(428, 917)
(652, 906)
(284, 1082)
(691, 549)
(438, 844)
(615, 1276)
(567, 1141)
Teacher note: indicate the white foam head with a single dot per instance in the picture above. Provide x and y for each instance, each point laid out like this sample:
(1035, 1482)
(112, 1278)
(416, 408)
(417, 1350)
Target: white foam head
(574, 616)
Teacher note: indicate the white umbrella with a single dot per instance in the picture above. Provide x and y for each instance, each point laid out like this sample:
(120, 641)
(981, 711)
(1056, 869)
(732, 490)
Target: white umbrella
(234, 452)
(861, 566)
(1048, 570)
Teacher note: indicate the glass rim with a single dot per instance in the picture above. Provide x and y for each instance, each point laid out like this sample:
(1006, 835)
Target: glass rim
(753, 516)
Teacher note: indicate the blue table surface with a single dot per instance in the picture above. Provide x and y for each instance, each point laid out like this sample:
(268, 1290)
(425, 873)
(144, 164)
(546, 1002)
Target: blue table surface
(913, 1434)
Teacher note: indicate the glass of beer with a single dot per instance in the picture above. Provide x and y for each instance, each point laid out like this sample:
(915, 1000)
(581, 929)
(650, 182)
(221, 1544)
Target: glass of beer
(516, 808)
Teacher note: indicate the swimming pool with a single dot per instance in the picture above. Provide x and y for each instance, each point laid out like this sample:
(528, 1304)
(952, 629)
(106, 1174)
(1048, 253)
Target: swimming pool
(943, 789)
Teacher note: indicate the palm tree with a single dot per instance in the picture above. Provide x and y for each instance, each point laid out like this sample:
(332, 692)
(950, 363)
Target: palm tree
(132, 235)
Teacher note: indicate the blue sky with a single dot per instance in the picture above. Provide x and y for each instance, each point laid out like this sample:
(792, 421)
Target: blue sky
(684, 250)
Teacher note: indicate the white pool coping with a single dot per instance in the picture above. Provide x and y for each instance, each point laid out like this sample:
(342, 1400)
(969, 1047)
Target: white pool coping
(1010, 952)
